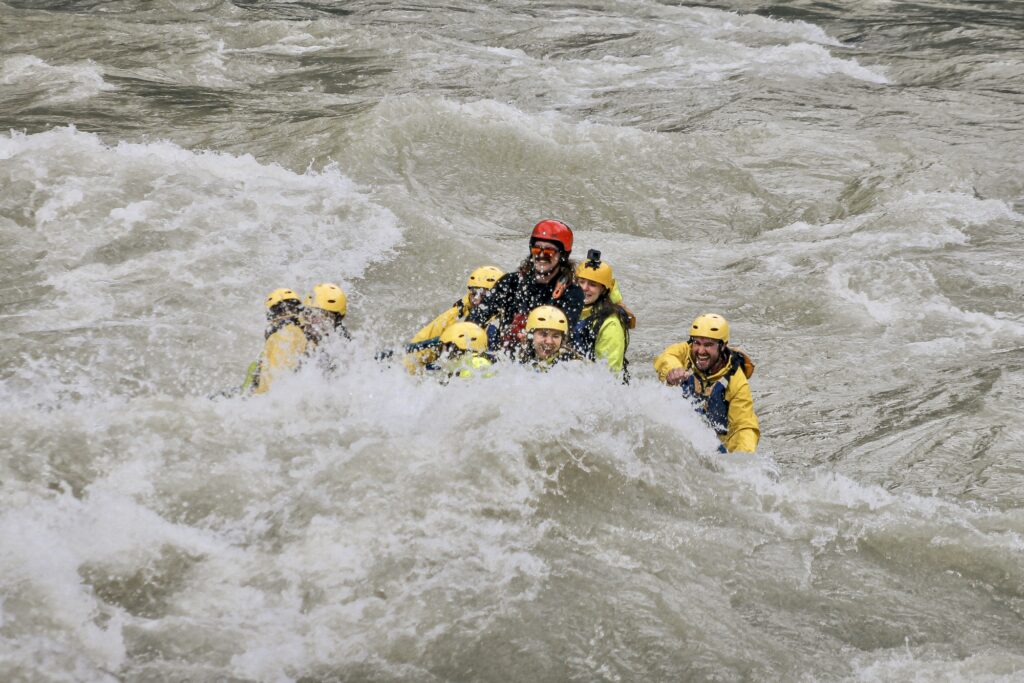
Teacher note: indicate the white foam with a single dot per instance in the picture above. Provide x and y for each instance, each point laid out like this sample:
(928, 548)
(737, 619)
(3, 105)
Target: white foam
(289, 44)
(47, 539)
(813, 61)
(343, 518)
(250, 225)
(873, 262)
(54, 84)
(925, 663)
(689, 47)
(720, 23)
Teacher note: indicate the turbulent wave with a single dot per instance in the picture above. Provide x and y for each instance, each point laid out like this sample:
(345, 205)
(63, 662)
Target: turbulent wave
(140, 247)
(61, 84)
(329, 529)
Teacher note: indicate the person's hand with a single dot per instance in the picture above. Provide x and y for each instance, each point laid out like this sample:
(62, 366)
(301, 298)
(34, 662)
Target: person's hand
(676, 376)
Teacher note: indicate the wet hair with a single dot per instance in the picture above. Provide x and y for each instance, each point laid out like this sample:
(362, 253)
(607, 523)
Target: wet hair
(283, 308)
(603, 307)
(336, 318)
(566, 268)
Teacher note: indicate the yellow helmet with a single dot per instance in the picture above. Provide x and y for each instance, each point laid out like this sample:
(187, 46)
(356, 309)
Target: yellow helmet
(466, 336)
(712, 326)
(329, 297)
(547, 318)
(601, 275)
(282, 294)
(484, 276)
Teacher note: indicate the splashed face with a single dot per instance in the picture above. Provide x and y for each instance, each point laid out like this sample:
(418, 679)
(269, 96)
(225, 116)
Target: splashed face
(545, 256)
(323, 321)
(476, 296)
(705, 353)
(317, 317)
(546, 343)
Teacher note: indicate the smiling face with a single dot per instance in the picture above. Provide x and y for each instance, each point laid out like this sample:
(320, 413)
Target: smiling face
(705, 353)
(592, 291)
(546, 343)
(545, 256)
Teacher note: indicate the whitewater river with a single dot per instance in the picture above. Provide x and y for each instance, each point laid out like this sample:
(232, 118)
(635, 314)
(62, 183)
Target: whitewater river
(843, 180)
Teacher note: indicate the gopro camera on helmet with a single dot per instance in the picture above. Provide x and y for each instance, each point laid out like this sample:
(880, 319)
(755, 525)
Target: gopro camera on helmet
(593, 258)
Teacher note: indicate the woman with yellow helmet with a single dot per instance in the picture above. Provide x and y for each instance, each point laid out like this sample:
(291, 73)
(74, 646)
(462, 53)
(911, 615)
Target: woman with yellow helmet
(423, 348)
(547, 338)
(603, 329)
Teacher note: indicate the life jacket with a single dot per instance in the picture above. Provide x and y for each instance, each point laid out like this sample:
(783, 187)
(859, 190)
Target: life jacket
(510, 336)
(476, 366)
(468, 364)
(584, 334)
(709, 400)
(277, 323)
(288, 343)
(563, 354)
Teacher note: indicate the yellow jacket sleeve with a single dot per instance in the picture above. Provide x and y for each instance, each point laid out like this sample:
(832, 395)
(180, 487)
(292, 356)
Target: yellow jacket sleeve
(744, 429)
(282, 353)
(416, 360)
(675, 356)
(611, 343)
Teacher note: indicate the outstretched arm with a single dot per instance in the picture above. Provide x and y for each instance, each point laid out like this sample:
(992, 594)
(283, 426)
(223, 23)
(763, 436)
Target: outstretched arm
(672, 363)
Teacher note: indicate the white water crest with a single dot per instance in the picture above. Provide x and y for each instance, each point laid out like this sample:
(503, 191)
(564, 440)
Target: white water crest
(61, 84)
(842, 181)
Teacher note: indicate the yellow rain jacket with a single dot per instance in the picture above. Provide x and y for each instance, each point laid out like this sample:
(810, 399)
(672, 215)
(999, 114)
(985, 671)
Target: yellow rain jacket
(610, 344)
(283, 351)
(415, 361)
(743, 429)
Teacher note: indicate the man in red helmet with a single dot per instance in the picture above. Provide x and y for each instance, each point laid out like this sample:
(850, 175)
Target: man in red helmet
(545, 278)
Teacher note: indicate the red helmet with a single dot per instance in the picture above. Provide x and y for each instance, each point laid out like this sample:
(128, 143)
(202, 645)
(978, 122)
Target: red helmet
(553, 231)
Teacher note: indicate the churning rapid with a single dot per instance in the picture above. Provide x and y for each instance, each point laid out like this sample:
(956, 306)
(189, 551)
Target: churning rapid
(843, 181)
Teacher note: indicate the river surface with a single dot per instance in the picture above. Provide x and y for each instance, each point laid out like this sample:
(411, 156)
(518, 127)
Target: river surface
(843, 180)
